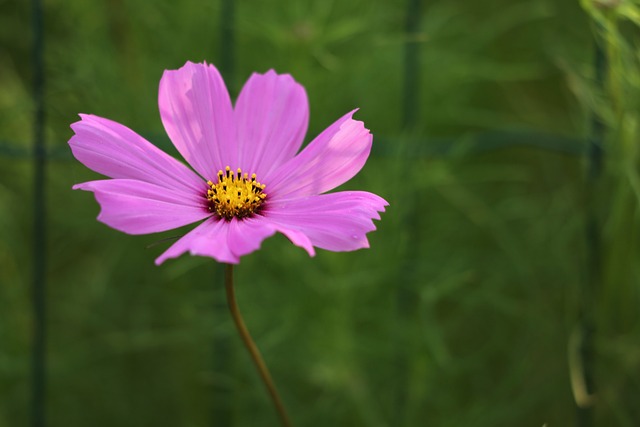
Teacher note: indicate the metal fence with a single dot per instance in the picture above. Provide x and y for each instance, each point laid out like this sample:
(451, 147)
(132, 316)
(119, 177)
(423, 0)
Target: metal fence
(591, 150)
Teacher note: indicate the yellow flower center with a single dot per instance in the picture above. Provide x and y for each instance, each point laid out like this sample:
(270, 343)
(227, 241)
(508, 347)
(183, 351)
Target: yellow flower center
(235, 194)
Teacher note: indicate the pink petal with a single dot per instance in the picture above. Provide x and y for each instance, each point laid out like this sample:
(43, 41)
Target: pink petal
(116, 151)
(331, 159)
(335, 221)
(224, 241)
(246, 235)
(271, 114)
(297, 237)
(197, 114)
(207, 239)
(137, 207)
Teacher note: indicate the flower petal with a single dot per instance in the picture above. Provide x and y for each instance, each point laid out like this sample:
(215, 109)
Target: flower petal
(137, 207)
(197, 114)
(331, 159)
(246, 235)
(207, 239)
(224, 241)
(116, 151)
(298, 238)
(336, 221)
(271, 115)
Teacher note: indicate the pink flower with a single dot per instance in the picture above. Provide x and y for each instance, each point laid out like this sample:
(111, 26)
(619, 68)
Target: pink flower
(248, 182)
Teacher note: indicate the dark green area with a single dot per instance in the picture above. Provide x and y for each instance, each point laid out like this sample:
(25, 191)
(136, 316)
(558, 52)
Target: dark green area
(464, 311)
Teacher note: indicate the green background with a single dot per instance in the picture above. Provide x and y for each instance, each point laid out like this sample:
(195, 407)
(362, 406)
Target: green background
(465, 311)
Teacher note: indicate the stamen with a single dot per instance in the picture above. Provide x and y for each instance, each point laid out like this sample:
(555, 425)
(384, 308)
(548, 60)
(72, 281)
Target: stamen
(235, 194)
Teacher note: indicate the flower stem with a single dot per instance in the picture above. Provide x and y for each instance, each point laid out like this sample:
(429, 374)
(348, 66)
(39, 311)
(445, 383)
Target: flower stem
(251, 346)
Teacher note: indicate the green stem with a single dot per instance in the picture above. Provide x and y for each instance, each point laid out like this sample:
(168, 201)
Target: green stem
(251, 346)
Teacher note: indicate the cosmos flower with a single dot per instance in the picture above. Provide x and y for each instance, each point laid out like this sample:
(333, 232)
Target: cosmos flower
(247, 182)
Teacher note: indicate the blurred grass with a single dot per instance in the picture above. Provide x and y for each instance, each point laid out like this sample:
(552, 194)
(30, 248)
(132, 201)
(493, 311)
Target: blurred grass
(485, 249)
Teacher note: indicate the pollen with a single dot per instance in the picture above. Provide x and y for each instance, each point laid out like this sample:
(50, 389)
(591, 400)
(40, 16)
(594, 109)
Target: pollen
(235, 194)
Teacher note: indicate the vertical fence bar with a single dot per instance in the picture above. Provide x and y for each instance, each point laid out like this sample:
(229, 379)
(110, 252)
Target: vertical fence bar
(38, 372)
(223, 350)
(221, 408)
(405, 295)
(411, 83)
(227, 42)
(595, 158)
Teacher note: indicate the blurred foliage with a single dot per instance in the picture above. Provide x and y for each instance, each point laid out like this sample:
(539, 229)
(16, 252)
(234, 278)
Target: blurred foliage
(461, 312)
(617, 27)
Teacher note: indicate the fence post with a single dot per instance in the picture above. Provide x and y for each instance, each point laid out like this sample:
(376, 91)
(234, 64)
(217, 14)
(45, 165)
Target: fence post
(595, 158)
(411, 83)
(223, 348)
(38, 290)
(227, 43)
(405, 298)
